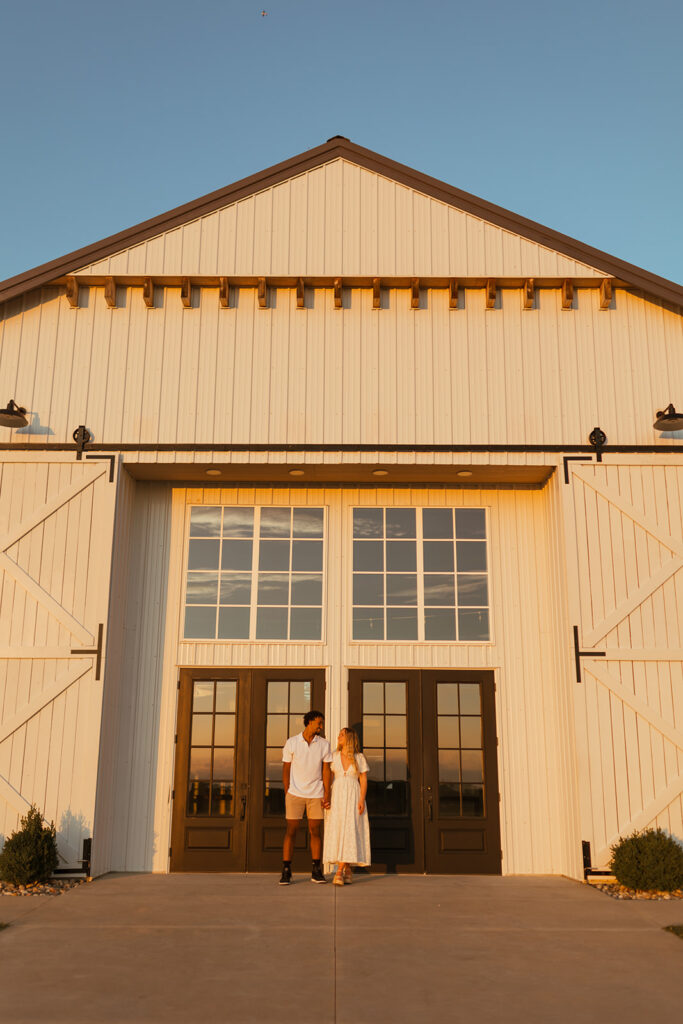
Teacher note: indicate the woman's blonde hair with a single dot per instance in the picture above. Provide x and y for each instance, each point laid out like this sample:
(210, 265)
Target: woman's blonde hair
(350, 745)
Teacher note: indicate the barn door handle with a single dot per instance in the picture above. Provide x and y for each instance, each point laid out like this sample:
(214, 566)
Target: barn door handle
(243, 809)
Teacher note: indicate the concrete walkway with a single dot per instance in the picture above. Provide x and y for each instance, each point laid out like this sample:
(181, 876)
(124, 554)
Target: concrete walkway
(239, 949)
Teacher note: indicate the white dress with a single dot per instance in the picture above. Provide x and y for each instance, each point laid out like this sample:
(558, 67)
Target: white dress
(347, 833)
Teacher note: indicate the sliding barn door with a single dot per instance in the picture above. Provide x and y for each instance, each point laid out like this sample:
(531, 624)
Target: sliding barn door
(56, 524)
(626, 573)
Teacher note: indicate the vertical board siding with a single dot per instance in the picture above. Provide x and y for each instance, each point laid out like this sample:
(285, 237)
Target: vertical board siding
(56, 522)
(341, 218)
(629, 708)
(114, 680)
(532, 661)
(126, 784)
(432, 375)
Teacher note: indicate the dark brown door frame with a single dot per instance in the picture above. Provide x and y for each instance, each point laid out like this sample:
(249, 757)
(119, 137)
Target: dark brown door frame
(246, 840)
(397, 841)
(266, 833)
(200, 843)
(424, 841)
(465, 845)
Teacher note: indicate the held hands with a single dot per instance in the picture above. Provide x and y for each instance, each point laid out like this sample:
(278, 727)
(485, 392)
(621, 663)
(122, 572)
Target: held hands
(327, 803)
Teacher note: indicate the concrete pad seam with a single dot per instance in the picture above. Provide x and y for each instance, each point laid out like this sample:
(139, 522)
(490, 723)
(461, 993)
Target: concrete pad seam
(334, 954)
(256, 929)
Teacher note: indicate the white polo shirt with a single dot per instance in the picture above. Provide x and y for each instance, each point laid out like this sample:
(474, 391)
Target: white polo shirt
(306, 759)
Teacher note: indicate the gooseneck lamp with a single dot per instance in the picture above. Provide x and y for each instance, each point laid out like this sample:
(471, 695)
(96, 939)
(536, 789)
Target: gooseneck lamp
(13, 415)
(669, 419)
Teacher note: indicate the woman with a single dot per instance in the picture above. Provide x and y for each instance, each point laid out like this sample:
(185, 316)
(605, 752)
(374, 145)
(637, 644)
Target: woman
(347, 830)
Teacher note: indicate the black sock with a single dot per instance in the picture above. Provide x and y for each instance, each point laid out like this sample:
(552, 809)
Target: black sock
(317, 863)
(286, 863)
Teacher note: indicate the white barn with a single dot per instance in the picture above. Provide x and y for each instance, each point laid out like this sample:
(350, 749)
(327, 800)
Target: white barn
(321, 438)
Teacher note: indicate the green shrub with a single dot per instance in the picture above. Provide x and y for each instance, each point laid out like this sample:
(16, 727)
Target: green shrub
(30, 854)
(648, 860)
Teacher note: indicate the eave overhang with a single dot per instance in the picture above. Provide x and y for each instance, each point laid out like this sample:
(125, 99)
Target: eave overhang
(626, 274)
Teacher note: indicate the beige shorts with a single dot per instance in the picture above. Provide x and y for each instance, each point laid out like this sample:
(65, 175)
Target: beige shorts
(296, 805)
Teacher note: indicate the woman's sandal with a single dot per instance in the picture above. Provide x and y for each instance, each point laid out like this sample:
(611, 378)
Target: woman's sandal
(338, 879)
(348, 876)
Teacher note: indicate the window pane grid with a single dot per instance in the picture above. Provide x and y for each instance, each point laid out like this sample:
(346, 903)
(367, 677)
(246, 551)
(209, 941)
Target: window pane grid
(385, 746)
(460, 750)
(287, 701)
(255, 573)
(211, 773)
(420, 574)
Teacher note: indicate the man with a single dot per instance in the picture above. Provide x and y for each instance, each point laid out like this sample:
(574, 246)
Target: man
(307, 776)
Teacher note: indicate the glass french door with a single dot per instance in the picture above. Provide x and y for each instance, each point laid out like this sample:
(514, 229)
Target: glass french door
(430, 742)
(280, 699)
(228, 797)
(209, 828)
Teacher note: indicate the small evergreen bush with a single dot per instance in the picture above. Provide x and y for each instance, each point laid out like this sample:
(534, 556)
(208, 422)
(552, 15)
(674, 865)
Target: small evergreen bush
(648, 860)
(30, 853)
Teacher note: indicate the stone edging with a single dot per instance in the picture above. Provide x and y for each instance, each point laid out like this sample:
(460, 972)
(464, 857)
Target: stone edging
(55, 887)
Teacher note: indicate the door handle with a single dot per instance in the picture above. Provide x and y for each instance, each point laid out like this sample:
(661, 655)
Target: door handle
(430, 803)
(243, 809)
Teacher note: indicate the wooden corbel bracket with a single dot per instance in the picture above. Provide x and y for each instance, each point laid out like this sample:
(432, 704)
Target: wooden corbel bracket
(491, 293)
(72, 292)
(110, 293)
(148, 292)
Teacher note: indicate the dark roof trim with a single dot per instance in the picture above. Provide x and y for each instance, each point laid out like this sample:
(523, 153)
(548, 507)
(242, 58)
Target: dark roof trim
(632, 276)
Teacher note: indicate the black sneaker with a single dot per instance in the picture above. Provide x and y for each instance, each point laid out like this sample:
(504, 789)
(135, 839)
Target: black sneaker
(317, 875)
(286, 877)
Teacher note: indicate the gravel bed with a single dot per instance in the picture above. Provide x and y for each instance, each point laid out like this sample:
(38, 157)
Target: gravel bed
(55, 887)
(620, 892)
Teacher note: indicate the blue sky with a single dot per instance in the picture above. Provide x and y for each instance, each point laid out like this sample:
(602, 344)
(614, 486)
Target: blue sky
(569, 114)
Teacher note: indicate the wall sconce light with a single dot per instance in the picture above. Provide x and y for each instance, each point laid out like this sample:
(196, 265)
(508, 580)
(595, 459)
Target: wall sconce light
(669, 419)
(13, 415)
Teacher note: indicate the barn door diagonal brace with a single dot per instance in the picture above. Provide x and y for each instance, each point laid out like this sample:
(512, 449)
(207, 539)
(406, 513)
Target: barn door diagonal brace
(578, 654)
(96, 650)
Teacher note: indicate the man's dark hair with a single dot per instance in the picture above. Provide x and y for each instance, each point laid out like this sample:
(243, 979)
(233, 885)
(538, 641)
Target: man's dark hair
(311, 716)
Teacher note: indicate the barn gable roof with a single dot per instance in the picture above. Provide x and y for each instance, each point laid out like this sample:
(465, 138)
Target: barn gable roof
(593, 260)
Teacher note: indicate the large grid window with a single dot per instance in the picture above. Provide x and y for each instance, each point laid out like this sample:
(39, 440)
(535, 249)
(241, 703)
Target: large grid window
(254, 573)
(420, 575)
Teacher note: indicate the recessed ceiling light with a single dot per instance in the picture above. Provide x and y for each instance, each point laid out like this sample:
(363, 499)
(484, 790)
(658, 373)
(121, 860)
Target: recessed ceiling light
(380, 472)
(464, 472)
(213, 472)
(296, 472)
